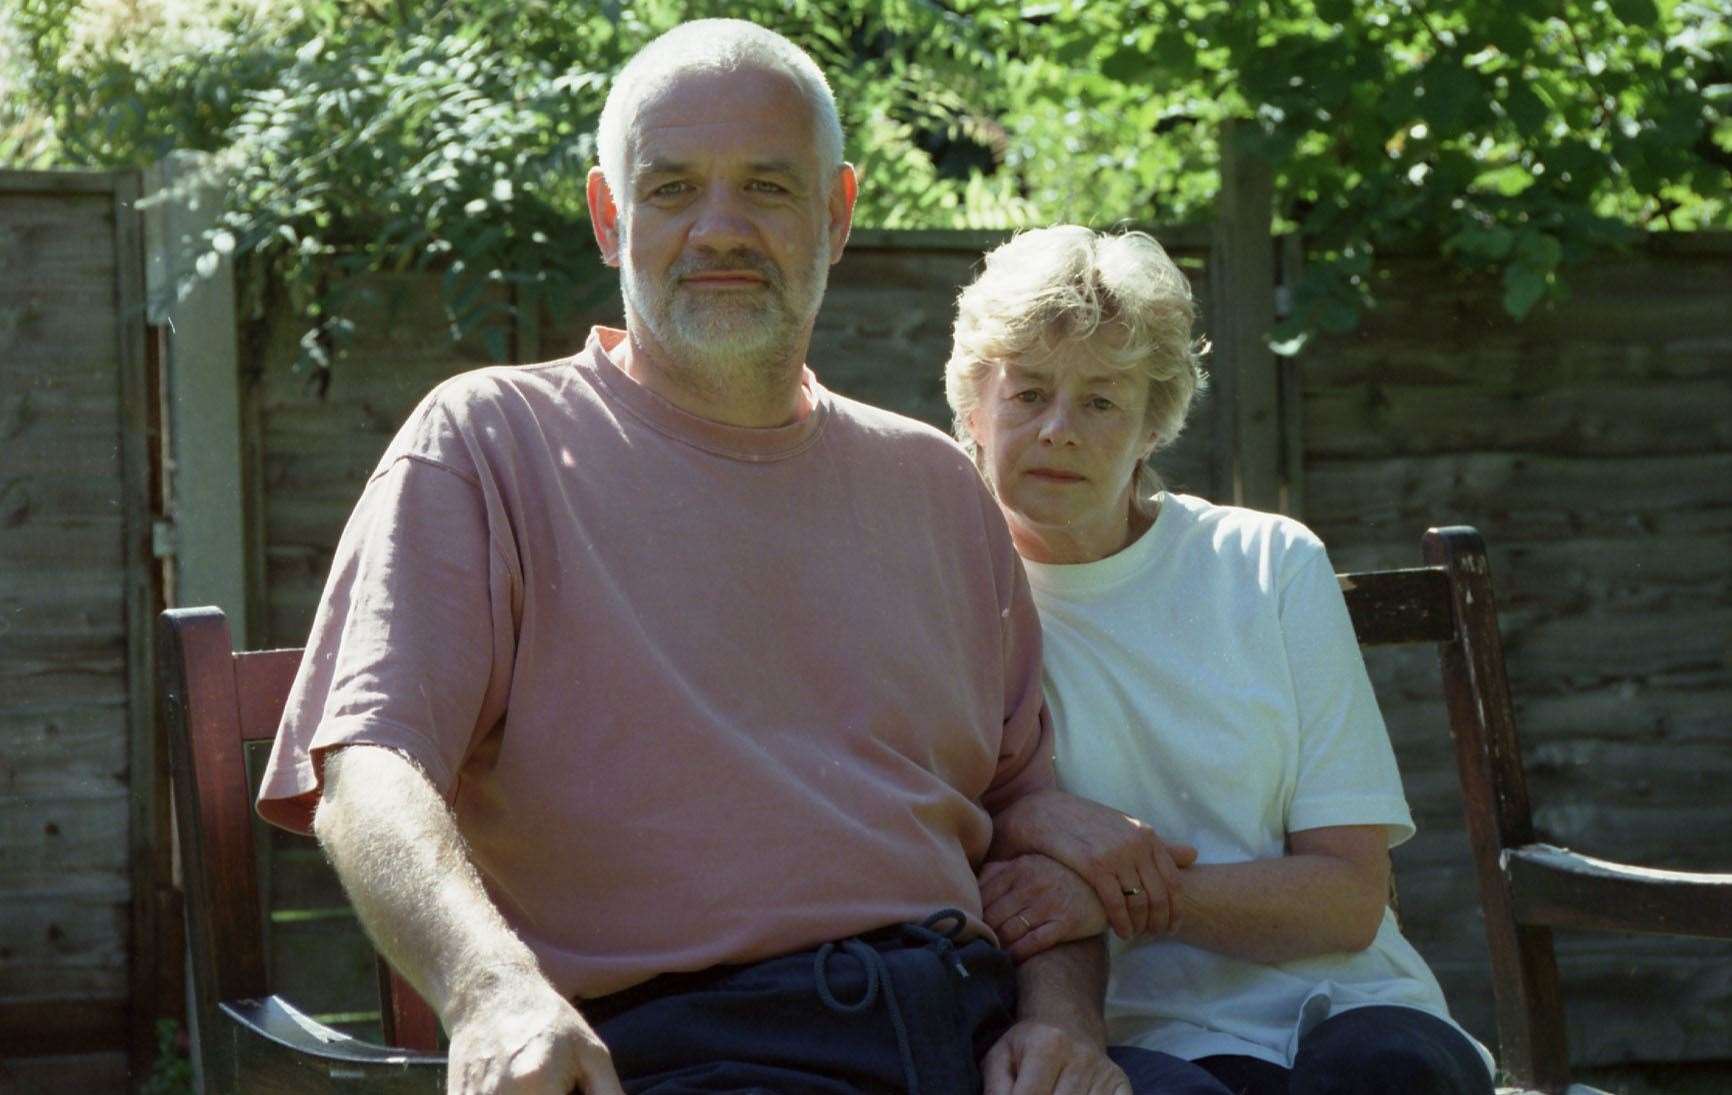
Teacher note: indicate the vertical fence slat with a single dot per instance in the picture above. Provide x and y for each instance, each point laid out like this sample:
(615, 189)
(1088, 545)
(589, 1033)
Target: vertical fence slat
(148, 839)
(1242, 275)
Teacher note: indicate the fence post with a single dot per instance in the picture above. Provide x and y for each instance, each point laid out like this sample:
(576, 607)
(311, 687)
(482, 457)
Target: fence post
(1246, 382)
(202, 388)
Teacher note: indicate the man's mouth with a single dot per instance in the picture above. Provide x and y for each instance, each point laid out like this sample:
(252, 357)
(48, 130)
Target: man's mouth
(1054, 475)
(725, 279)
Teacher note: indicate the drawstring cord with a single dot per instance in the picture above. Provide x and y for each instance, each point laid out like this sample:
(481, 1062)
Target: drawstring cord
(928, 934)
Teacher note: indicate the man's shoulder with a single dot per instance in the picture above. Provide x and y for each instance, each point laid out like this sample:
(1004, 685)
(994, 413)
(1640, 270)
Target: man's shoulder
(875, 425)
(499, 387)
(479, 411)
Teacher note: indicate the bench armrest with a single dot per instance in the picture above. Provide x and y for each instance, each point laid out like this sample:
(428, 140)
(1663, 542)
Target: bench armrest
(273, 1039)
(1559, 888)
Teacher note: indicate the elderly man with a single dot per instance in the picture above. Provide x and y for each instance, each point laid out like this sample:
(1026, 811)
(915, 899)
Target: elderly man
(659, 699)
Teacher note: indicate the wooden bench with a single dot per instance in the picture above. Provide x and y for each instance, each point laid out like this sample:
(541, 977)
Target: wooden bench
(214, 703)
(215, 700)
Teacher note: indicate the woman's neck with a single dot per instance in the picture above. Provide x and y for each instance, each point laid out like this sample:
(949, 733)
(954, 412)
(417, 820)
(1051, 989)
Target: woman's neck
(1068, 547)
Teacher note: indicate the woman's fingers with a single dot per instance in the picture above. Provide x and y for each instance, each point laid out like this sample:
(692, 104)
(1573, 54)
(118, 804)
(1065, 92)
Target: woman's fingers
(1146, 896)
(1113, 901)
(994, 884)
(1175, 887)
(998, 913)
(1043, 937)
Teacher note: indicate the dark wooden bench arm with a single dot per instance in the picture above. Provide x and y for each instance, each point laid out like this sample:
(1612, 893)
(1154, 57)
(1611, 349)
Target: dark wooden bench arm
(1564, 889)
(273, 1029)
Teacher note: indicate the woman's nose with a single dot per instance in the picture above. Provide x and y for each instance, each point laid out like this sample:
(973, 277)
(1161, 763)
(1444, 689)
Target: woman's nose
(1055, 426)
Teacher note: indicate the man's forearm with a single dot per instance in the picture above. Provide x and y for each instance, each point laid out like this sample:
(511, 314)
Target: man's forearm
(396, 847)
(1066, 986)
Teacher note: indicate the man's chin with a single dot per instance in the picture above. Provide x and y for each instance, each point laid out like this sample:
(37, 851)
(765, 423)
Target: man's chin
(729, 345)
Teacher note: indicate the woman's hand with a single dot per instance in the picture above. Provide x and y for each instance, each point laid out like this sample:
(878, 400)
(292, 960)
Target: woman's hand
(1133, 872)
(1033, 903)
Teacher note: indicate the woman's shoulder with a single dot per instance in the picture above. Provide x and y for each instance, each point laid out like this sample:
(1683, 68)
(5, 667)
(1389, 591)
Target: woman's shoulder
(1239, 530)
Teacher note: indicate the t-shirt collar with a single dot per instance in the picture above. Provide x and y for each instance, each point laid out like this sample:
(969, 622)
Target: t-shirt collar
(1103, 574)
(737, 442)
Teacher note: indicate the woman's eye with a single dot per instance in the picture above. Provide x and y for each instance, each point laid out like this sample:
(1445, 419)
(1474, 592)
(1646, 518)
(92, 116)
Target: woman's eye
(1102, 403)
(1027, 395)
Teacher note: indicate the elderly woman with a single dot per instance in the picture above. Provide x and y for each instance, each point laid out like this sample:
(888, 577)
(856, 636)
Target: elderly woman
(1206, 686)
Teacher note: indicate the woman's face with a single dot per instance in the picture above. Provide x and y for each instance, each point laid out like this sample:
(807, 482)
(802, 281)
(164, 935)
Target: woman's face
(1060, 437)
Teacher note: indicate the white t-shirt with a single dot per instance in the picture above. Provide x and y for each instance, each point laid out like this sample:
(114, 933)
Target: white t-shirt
(1207, 680)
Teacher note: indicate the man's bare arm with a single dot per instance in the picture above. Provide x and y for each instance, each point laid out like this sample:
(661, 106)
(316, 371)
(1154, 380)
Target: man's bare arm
(1059, 1040)
(401, 859)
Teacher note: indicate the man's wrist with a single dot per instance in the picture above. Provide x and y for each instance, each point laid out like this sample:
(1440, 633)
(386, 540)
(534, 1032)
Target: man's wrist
(1009, 839)
(1063, 987)
(482, 984)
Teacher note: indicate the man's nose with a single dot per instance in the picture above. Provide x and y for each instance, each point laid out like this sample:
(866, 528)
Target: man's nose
(721, 220)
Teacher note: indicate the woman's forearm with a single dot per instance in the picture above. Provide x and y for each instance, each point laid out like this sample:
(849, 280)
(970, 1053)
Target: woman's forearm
(1312, 901)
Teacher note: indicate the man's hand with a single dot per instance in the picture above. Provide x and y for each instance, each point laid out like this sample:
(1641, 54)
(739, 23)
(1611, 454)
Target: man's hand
(1035, 1057)
(1133, 872)
(1033, 903)
(519, 1035)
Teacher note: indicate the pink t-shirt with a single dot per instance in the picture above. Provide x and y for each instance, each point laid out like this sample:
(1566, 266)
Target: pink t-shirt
(698, 694)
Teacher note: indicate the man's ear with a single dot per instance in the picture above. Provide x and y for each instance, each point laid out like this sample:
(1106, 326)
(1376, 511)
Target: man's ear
(844, 191)
(603, 216)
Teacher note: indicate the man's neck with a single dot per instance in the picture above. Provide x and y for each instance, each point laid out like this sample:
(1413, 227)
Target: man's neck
(761, 397)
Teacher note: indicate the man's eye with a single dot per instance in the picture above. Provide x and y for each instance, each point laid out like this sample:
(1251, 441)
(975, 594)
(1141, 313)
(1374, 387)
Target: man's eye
(1102, 403)
(668, 190)
(764, 186)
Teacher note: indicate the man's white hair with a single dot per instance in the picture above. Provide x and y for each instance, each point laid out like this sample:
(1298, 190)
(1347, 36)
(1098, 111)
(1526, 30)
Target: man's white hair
(713, 45)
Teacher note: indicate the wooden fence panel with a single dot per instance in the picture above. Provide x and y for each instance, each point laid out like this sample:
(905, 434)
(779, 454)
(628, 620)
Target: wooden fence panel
(1592, 444)
(77, 809)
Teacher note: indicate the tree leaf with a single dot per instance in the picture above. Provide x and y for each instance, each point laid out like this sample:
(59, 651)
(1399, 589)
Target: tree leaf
(1335, 11)
(1523, 287)
(1526, 109)
(1637, 13)
(1127, 64)
(1491, 242)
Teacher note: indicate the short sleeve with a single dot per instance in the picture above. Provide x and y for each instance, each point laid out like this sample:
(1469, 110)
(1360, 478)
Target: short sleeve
(412, 644)
(1025, 762)
(1346, 767)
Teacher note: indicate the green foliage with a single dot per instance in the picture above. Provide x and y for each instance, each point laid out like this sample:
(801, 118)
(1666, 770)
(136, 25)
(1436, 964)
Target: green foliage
(1519, 137)
(171, 1070)
(388, 134)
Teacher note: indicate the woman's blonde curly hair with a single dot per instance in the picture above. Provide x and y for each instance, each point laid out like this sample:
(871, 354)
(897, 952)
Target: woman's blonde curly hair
(1050, 286)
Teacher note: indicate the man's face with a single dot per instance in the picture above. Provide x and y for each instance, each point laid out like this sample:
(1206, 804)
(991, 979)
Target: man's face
(726, 223)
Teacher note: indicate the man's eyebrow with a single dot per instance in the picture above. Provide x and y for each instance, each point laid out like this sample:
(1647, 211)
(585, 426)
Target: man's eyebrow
(773, 167)
(780, 168)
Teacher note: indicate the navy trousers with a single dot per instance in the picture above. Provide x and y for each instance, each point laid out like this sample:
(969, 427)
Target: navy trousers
(905, 1009)
(1364, 1051)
